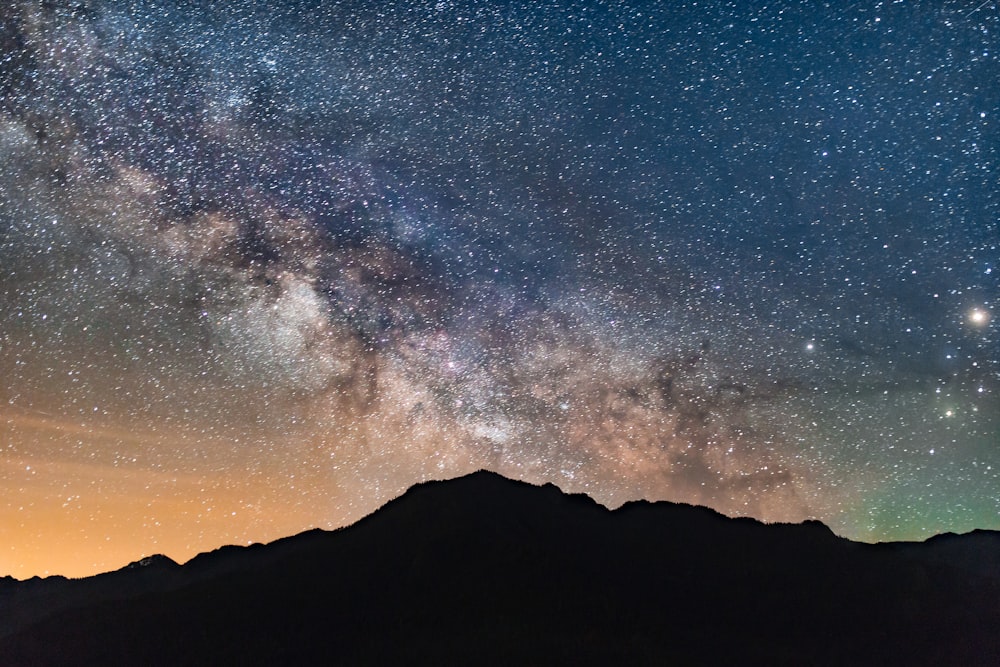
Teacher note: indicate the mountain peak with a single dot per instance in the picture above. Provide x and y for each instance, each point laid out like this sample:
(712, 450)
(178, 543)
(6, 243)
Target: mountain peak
(154, 561)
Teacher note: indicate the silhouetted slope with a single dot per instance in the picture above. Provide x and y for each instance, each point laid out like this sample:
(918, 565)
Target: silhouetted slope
(483, 570)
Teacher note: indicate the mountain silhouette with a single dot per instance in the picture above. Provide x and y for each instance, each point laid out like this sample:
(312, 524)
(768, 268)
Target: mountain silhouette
(482, 570)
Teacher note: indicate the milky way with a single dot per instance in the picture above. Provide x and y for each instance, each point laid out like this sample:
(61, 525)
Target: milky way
(264, 265)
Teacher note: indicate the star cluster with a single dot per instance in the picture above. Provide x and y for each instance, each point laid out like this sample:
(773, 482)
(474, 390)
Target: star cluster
(265, 265)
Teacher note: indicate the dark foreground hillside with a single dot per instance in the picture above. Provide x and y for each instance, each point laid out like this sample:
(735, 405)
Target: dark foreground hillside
(483, 570)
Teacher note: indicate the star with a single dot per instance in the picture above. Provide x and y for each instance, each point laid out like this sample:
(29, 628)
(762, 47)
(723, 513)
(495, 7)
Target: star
(979, 317)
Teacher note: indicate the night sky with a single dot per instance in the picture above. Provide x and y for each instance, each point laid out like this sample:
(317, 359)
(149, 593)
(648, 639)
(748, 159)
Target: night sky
(264, 265)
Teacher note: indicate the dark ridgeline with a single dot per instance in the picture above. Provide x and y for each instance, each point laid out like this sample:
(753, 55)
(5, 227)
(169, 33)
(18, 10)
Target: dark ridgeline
(484, 570)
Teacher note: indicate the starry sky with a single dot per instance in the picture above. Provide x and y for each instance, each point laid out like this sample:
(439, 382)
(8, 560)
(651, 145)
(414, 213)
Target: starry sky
(264, 265)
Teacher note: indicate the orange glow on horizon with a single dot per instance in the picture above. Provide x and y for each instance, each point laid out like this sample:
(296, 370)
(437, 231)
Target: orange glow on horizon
(76, 507)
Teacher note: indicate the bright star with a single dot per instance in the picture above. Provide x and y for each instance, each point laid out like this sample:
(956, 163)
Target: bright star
(979, 317)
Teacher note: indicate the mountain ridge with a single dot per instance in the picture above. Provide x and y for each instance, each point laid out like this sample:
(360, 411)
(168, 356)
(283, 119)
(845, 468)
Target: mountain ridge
(485, 569)
(156, 558)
